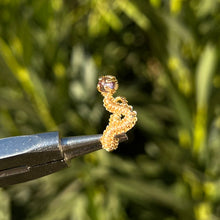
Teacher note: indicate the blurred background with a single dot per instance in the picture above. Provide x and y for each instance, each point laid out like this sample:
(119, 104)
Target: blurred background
(165, 55)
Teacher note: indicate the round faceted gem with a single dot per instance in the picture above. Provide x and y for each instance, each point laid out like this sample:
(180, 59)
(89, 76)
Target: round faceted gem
(107, 84)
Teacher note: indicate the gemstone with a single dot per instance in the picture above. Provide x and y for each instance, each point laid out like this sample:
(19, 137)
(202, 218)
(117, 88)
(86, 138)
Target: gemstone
(107, 83)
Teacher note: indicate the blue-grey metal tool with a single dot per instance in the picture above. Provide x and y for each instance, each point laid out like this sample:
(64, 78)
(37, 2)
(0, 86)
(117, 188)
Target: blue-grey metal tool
(28, 157)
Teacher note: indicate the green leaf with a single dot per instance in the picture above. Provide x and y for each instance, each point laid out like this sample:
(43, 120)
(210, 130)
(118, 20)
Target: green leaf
(204, 74)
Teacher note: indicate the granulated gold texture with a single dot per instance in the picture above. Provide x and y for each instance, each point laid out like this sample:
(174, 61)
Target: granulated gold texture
(122, 119)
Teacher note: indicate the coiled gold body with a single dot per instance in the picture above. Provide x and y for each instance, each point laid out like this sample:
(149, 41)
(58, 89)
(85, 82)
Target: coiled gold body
(122, 119)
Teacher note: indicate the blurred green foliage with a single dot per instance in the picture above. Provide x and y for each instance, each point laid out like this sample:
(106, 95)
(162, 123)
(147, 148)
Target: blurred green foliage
(165, 55)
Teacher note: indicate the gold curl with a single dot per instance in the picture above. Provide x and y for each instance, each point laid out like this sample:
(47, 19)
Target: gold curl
(122, 119)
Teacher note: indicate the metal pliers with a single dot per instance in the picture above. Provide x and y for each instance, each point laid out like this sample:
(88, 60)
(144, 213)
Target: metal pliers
(28, 157)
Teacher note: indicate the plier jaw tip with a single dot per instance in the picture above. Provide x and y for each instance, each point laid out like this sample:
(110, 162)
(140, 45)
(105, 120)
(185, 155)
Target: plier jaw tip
(28, 157)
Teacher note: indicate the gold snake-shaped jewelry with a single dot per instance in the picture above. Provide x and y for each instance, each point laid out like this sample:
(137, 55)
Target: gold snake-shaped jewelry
(123, 117)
